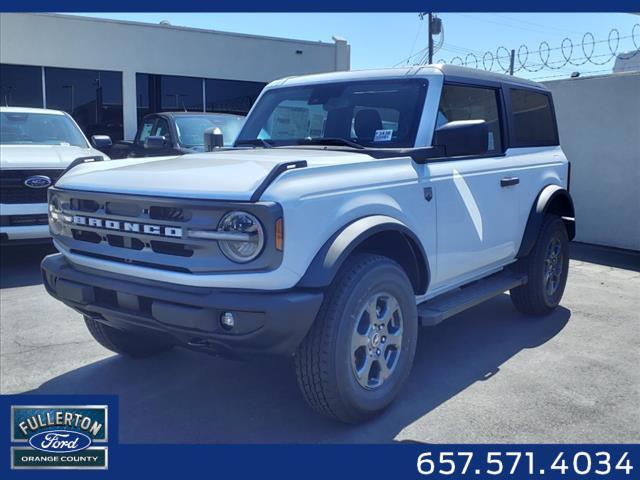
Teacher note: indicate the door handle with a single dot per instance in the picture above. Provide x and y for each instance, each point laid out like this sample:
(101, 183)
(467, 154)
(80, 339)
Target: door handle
(507, 182)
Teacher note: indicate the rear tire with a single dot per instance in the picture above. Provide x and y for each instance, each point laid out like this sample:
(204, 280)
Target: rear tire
(360, 349)
(126, 343)
(547, 267)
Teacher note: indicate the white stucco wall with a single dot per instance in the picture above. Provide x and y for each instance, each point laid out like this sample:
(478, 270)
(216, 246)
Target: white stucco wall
(130, 47)
(599, 123)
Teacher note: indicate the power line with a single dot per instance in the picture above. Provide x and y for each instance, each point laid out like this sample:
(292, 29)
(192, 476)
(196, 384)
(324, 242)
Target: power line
(545, 27)
(481, 19)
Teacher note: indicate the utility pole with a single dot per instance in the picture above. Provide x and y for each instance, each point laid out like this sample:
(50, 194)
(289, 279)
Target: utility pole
(430, 20)
(512, 61)
(434, 27)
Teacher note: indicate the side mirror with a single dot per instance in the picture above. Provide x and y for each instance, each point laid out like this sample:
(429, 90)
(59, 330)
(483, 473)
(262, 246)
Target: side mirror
(213, 138)
(101, 142)
(463, 137)
(153, 142)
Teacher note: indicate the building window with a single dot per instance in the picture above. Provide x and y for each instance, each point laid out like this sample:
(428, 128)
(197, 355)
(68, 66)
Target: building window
(92, 97)
(167, 93)
(460, 102)
(533, 120)
(180, 94)
(20, 86)
(162, 93)
(231, 96)
(145, 93)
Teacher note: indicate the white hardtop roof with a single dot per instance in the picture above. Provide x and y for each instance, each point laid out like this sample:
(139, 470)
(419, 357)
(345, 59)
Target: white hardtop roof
(30, 110)
(416, 71)
(382, 73)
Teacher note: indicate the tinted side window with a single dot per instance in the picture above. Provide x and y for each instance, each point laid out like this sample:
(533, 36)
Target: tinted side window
(472, 103)
(145, 131)
(162, 129)
(533, 119)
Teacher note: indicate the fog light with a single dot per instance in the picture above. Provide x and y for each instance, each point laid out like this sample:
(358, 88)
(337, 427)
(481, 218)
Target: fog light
(227, 320)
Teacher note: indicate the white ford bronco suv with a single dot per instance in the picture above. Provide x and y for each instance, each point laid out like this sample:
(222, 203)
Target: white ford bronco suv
(36, 146)
(354, 208)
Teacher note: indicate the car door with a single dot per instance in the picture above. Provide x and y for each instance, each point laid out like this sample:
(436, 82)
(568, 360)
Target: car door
(476, 201)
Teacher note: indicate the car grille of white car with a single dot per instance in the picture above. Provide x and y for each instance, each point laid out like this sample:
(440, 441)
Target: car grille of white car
(13, 189)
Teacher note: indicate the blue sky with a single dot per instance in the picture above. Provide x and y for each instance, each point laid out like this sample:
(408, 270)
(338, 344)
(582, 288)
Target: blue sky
(387, 39)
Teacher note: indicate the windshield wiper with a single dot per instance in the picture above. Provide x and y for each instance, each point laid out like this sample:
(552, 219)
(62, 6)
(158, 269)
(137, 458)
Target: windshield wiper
(256, 142)
(330, 141)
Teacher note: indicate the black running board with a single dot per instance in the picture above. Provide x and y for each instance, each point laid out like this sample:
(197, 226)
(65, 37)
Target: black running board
(446, 305)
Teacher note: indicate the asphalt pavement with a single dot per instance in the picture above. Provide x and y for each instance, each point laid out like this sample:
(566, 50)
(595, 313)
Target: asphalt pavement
(486, 375)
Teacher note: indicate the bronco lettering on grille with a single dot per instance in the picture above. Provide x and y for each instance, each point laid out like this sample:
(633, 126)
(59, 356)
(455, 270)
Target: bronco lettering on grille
(132, 227)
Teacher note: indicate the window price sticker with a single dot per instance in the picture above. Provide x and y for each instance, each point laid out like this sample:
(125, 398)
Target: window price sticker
(546, 461)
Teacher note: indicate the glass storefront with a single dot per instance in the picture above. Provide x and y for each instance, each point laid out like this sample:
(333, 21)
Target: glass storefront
(231, 96)
(162, 93)
(20, 86)
(92, 97)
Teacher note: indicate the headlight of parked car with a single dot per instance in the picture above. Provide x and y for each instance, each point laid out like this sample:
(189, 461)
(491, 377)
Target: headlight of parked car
(245, 236)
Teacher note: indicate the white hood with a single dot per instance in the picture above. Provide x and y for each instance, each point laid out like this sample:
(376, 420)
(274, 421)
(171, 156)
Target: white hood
(41, 156)
(224, 175)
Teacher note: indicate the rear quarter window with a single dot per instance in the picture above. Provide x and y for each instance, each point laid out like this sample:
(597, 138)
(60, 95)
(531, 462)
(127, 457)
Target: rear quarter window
(534, 122)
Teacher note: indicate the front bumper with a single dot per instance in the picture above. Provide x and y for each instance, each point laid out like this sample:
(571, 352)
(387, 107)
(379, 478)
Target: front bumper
(266, 322)
(23, 231)
(26, 234)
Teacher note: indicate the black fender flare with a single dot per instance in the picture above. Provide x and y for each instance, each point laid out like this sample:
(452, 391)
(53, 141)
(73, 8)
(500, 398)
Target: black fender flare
(328, 260)
(552, 199)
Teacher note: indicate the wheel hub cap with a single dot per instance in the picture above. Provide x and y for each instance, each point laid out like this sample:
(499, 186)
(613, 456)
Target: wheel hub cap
(376, 341)
(553, 266)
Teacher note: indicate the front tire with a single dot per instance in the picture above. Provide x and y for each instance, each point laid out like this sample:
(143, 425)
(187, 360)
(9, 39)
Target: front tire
(547, 267)
(359, 352)
(126, 343)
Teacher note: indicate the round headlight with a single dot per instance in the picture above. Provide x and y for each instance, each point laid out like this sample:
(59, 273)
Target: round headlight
(249, 231)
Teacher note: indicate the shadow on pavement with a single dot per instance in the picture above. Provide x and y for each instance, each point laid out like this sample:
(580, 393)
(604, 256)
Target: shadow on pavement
(610, 257)
(20, 264)
(186, 397)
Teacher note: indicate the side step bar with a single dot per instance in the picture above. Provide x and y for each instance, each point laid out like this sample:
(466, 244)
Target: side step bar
(446, 305)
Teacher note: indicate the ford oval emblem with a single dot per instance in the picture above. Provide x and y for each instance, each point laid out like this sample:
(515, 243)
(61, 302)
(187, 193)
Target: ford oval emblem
(38, 181)
(60, 441)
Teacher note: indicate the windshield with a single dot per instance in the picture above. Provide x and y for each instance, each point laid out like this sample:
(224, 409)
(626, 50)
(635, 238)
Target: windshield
(381, 114)
(39, 129)
(191, 129)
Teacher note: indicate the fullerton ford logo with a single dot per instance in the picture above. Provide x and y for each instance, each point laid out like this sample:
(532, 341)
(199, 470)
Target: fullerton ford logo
(38, 181)
(60, 441)
(59, 436)
(131, 227)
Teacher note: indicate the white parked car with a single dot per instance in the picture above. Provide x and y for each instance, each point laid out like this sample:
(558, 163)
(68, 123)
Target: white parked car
(356, 207)
(36, 145)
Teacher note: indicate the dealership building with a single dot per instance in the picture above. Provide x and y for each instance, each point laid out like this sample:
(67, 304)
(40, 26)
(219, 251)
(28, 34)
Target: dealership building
(108, 74)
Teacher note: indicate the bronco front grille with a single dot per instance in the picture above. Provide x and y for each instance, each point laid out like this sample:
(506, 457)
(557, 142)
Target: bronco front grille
(13, 189)
(165, 245)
